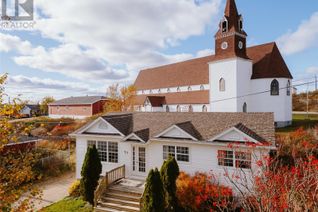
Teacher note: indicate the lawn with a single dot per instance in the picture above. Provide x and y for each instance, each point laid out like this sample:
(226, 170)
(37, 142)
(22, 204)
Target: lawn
(69, 205)
(300, 120)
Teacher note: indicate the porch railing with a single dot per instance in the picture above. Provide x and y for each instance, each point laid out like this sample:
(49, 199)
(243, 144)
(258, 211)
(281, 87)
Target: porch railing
(110, 177)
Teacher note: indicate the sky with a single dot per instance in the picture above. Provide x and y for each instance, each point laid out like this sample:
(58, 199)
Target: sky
(80, 47)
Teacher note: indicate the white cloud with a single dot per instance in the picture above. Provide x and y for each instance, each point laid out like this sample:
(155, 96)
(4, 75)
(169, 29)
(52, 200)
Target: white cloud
(205, 52)
(126, 32)
(312, 70)
(36, 88)
(306, 36)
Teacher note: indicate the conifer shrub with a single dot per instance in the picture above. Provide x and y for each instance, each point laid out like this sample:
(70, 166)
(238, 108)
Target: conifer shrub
(153, 198)
(90, 173)
(169, 174)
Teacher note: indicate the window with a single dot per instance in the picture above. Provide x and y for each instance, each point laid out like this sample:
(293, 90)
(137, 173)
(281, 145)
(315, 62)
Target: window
(178, 108)
(222, 85)
(204, 108)
(91, 143)
(178, 89)
(102, 150)
(112, 152)
(159, 91)
(189, 88)
(167, 109)
(142, 91)
(150, 91)
(224, 25)
(241, 24)
(202, 87)
(274, 88)
(142, 159)
(241, 160)
(225, 158)
(134, 158)
(288, 88)
(244, 107)
(180, 153)
(190, 108)
(168, 90)
(108, 151)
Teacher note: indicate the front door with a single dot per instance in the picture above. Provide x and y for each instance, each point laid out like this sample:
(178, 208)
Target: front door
(139, 160)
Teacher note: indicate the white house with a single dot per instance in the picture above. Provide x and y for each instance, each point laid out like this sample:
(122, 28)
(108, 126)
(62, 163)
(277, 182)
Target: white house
(198, 141)
(235, 79)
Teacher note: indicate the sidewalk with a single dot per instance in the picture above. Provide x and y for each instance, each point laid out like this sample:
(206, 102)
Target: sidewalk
(54, 190)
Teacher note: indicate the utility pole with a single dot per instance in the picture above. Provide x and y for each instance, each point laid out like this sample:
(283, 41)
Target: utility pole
(307, 100)
(316, 82)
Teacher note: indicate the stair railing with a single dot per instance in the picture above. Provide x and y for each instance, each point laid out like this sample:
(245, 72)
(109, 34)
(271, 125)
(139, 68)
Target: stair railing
(110, 177)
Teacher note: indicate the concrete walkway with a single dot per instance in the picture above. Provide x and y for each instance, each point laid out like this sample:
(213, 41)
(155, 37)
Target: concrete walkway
(54, 190)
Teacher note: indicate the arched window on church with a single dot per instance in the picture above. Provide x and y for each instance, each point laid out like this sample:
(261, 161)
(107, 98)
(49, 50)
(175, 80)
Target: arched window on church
(178, 108)
(240, 23)
(159, 90)
(189, 88)
(244, 107)
(204, 109)
(202, 87)
(190, 108)
(178, 89)
(168, 90)
(167, 109)
(222, 85)
(275, 88)
(224, 25)
(288, 88)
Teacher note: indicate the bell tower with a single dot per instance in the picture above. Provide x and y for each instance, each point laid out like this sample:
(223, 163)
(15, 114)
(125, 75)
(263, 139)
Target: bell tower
(230, 40)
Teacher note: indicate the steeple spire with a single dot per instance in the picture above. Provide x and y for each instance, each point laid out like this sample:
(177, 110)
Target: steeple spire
(231, 9)
(230, 40)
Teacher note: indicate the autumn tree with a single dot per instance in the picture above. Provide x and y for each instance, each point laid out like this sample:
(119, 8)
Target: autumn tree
(120, 98)
(16, 168)
(44, 104)
(91, 170)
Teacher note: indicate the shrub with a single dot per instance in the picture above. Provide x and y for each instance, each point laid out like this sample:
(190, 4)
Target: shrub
(153, 198)
(199, 193)
(61, 130)
(169, 173)
(74, 189)
(91, 170)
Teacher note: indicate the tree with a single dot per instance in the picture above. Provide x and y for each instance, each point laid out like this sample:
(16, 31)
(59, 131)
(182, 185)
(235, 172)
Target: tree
(91, 170)
(16, 168)
(120, 98)
(169, 173)
(44, 104)
(153, 198)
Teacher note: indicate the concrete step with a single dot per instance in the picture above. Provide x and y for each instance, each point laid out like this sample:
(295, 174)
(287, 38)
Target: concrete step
(119, 207)
(121, 196)
(119, 201)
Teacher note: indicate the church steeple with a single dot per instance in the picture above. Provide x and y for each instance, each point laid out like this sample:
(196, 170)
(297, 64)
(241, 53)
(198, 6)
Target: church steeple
(230, 40)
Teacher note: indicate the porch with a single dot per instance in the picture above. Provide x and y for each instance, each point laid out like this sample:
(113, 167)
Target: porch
(117, 193)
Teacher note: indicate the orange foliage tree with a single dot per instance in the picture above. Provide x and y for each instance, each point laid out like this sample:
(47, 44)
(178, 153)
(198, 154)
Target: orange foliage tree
(120, 98)
(16, 172)
(199, 193)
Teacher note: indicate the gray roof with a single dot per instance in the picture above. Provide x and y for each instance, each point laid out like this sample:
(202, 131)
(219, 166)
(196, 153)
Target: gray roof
(202, 126)
(80, 100)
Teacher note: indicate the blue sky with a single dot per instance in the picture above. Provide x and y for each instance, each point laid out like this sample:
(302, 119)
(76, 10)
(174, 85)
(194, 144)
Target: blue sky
(72, 51)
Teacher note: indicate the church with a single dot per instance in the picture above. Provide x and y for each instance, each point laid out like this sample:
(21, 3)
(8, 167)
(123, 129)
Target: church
(236, 79)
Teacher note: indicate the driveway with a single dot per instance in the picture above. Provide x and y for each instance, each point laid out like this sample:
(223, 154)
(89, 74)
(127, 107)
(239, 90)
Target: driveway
(54, 190)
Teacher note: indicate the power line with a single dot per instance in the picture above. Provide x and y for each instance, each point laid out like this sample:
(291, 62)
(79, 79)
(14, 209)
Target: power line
(261, 92)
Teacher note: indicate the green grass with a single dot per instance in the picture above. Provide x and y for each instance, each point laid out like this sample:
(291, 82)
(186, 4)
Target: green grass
(69, 205)
(300, 120)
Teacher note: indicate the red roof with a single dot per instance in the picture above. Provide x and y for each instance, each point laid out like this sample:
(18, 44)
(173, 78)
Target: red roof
(267, 63)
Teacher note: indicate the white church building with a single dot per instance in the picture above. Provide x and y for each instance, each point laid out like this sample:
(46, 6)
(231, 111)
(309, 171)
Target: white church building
(235, 79)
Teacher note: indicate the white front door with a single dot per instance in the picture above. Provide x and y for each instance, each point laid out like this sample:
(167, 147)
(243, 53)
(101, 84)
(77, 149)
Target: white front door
(139, 160)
